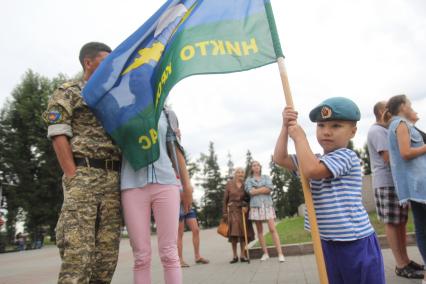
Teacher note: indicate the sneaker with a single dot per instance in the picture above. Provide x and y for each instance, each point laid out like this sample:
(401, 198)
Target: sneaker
(409, 272)
(281, 258)
(264, 257)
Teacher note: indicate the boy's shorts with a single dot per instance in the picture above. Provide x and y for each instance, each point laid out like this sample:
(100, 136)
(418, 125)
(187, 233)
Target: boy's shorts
(354, 262)
(190, 215)
(387, 206)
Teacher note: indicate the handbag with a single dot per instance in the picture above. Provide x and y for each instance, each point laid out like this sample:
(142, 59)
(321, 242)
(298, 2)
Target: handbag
(222, 229)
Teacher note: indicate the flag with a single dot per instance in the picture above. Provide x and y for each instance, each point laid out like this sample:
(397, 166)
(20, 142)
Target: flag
(128, 90)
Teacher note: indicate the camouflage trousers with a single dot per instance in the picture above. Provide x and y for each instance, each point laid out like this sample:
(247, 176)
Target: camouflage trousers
(88, 229)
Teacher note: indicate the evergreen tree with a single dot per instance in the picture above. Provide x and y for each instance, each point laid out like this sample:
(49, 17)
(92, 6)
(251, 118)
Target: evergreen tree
(351, 145)
(365, 159)
(213, 185)
(364, 155)
(27, 156)
(230, 165)
(193, 167)
(294, 196)
(8, 179)
(278, 194)
(249, 160)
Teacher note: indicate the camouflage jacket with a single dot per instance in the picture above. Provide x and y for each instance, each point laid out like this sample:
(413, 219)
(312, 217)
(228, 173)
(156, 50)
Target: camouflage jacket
(68, 114)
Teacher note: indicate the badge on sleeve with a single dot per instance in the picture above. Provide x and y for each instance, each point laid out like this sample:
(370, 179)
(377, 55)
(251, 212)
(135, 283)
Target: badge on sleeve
(54, 116)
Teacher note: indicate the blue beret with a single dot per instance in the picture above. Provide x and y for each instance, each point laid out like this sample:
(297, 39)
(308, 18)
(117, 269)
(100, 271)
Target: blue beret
(337, 108)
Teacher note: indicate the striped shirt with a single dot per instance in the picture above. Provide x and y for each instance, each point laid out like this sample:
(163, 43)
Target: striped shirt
(338, 200)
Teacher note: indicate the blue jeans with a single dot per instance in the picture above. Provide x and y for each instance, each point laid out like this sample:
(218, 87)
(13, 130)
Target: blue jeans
(419, 216)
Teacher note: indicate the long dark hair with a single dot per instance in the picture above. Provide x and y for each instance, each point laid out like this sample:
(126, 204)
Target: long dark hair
(393, 106)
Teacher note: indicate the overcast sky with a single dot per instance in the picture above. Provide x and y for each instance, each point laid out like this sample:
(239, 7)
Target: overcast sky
(365, 50)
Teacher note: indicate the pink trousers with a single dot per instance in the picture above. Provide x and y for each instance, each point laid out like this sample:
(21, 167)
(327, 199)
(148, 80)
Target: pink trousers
(164, 200)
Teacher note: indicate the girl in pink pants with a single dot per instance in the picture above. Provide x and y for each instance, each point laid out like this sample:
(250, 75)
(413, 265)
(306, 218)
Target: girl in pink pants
(156, 187)
(164, 201)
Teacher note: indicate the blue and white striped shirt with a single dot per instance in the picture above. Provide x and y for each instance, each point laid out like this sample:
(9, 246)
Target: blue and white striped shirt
(338, 200)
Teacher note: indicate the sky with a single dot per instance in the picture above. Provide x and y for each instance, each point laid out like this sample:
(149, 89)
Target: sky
(361, 49)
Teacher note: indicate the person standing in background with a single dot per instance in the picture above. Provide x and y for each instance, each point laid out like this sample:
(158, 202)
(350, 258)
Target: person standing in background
(235, 206)
(389, 211)
(408, 160)
(259, 188)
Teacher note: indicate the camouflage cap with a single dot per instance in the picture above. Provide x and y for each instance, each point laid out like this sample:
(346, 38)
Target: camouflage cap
(336, 108)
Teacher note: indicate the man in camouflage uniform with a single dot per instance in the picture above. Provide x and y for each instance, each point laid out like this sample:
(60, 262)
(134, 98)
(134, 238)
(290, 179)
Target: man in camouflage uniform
(88, 229)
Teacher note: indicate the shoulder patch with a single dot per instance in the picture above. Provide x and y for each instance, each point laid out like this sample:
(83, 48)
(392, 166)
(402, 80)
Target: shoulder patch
(53, 115)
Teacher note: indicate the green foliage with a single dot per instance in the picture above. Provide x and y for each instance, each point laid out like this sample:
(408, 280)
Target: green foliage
(294, 194)
(27, 157)
(291, 230)
(278, 194)
(351, 145)
(365, 159)
(213, 185)
(230, 164)
(249, 159)
(287, 194)
(364, 155)
(192, 167)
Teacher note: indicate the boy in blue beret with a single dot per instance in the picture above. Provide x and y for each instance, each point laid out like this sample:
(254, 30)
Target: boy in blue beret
(351, 250)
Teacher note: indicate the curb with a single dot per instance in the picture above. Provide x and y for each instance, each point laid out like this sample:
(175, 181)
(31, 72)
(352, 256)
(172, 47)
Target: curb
(307, 248)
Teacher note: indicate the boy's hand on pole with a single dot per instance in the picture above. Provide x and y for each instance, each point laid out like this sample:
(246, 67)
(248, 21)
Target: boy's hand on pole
(289, 114)
(295, 131)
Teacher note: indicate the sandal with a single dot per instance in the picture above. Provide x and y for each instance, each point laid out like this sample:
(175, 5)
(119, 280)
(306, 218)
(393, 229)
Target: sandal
(234, 260)
(183, 264)
(243, 259)
(416, 266)
(408, 272)
(202, 260)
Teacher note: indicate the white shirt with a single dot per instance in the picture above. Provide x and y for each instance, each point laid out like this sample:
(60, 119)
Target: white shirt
(161, 171)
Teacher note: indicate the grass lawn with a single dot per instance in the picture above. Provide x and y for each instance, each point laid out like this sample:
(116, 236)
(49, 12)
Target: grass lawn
(291, 230)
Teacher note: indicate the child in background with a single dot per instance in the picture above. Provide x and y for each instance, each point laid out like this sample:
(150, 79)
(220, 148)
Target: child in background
(351, 250)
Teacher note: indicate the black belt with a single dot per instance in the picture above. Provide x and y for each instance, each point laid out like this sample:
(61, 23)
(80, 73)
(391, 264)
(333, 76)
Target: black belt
(111, 165)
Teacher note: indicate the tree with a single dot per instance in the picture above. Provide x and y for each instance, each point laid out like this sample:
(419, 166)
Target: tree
(193, 167)
(7, 177)
(294, 196)
(213, 185)
(249, 160)
(364, 155)
(230, 165)
(365, 160)
(28, 159)
(351, 146)
(278, 194)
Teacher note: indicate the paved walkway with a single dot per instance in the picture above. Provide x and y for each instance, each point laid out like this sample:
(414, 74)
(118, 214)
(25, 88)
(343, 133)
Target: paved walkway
(41, 266)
